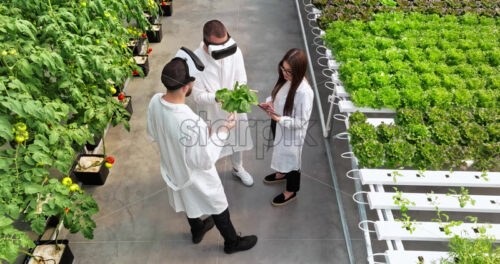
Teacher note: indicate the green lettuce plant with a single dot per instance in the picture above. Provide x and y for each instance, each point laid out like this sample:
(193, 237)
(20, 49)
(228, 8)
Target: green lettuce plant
(361, 132)
(237, 100)
(370, 153)
(398, 153)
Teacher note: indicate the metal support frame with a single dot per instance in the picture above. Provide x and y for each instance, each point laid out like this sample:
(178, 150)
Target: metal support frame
(326, 130)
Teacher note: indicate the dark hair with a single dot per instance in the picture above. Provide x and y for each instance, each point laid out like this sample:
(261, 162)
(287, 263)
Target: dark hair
(297, 60)
(214, 28)
(173, 75)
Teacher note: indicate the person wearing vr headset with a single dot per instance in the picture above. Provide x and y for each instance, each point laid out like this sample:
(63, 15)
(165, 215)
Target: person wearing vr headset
(224, 67)
(189, 150)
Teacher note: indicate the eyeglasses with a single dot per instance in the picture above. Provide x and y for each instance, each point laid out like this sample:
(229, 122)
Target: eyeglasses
(289, 72)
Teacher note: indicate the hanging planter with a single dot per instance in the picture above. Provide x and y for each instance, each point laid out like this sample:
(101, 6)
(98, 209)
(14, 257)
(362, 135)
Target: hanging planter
(143, 62)
(90, 169)
(45, 251)
(155, 33)
(166, 8)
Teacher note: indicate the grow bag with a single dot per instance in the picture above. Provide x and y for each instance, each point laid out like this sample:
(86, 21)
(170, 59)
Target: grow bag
(155, 33)
(143, 62)
(152, 19)
(166, 8)
(66, 257)
(129, 106)
(90, 146)
(93, 176)
(136, 45)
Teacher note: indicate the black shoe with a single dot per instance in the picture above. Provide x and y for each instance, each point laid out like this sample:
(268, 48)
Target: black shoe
(280, 199)
(271, 178)
(208, 224)
(241, 244)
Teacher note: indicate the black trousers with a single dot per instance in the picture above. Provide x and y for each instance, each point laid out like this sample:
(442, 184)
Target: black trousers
(293, 181)
(222, 222)
(273, 129)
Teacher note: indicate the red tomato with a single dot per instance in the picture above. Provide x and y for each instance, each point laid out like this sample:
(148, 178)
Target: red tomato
(110, 160)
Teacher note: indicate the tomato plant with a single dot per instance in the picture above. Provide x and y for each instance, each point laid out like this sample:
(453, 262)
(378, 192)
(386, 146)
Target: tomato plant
(59, 60)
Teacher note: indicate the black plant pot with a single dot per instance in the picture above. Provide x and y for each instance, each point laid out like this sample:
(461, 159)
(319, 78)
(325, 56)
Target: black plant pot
(90, 146)
(52, 221)
(166, 7)
(143, 62)
(66, 257)
(136, 45)
(118, 90)
(152, 19)
(119, 87)
(91, 178)
(129, 106)
(155, 33)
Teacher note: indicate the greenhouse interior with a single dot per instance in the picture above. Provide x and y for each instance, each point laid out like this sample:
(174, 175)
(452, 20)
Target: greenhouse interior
(284, 131)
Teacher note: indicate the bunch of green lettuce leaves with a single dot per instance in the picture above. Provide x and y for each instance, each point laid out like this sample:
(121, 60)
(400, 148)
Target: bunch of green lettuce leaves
(237, 100)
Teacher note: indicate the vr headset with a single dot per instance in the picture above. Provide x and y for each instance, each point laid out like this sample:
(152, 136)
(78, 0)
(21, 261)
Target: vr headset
(221, 51)
(192, 64)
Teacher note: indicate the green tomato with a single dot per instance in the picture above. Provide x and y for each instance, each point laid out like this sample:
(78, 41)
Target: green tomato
(13, 52)
(74, 187)
(97, 41)
(20, 126)
(4, 53)
(19, 139)
(67, 181)
(26, 135)
(83, 4)
(112, 90)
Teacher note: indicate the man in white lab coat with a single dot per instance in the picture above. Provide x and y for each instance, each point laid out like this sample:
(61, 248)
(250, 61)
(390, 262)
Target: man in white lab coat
(189, 150)
(224, 67)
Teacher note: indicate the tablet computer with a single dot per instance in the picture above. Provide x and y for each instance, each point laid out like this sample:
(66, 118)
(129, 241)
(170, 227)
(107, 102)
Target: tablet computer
(269, 111)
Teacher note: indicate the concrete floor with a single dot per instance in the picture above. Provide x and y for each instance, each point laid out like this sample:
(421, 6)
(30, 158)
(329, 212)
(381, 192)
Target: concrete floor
(135, 222)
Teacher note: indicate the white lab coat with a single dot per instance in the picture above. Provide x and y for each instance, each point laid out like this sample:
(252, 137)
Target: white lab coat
(188, 156)
(291, 130)
(219, 74)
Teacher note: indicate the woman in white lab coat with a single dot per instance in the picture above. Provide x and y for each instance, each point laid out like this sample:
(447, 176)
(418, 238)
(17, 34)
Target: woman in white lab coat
(290, 107)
